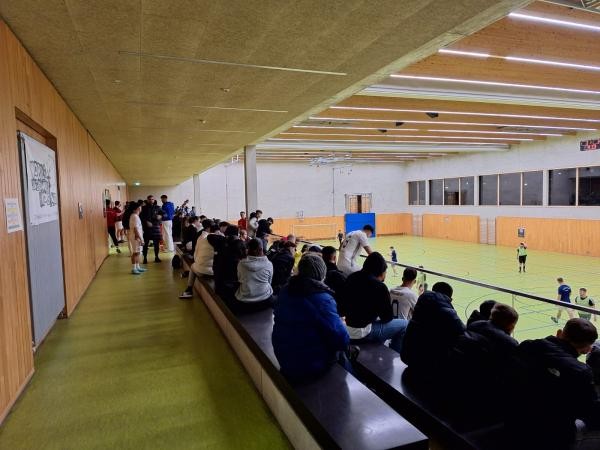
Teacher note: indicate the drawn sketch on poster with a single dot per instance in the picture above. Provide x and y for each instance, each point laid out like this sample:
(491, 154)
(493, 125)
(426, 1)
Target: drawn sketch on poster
(42, 189)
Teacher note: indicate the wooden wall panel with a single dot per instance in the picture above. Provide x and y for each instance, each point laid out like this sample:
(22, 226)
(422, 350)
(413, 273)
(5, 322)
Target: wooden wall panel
(84, 172)
(320, 227)
(579, 237)
(393, 224)
(454, 227)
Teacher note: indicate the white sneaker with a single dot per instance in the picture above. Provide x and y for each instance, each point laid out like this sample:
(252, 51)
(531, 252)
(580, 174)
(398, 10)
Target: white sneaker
(135, 272)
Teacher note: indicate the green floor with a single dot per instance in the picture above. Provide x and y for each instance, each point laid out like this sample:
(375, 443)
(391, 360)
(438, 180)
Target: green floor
(498, 266)
(137, 368)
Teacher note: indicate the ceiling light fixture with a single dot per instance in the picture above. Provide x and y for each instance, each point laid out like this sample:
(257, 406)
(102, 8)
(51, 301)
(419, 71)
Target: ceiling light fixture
(455, 123)
(347, 127)
(496, 83)
(465, 113)
(388, 142)
(226, 63)
(497, 132)
(136, 183)
(240, 109)
(565, 23)
(498, 138)
(521, 59)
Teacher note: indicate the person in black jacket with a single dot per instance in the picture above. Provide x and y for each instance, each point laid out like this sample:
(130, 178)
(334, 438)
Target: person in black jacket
(263, 231)
(432, 332)
(552, 389)
(151, 217)
(189, 234)
(483, 313)
(335, 278)
(229, 250)
(367, 305)
(283, 264)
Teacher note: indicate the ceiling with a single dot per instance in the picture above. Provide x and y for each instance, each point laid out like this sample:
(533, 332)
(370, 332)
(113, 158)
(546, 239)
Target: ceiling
(528, 77)
(169, 88)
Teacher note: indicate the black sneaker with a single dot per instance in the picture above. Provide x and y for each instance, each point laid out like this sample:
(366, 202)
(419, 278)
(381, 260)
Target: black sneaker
(554, 319)
(145, 261)
(185, 295)
(157, 260)
(118, 250)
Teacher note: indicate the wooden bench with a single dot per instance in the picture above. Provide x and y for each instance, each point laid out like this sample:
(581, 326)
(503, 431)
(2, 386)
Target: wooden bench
(337, 411)
(381, 368)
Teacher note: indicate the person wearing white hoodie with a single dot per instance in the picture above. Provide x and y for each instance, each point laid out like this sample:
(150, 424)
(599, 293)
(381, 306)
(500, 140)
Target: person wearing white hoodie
(203, 261)
(255, 273)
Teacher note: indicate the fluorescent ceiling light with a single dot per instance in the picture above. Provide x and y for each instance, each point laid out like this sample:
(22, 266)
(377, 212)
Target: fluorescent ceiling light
(387, 142)
(565, 23)
(240, 109)
(497, 132)
(463, 113)
(413, 136)
(226, 63)
(496, 83)
(351, 128)
(434, 122)
(521, 59)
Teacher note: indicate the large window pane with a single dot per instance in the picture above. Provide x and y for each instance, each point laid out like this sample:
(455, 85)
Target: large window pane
(413, 193)
(510, 189)
(467, 191)
(422, 192)
(533, 190)
(488, 190)
(589, 186)
(436, 192)
(451, 191)
(562, 187)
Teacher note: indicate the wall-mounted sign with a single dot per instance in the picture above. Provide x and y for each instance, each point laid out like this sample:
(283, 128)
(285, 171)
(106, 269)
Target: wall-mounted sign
(590, 144)
(42, 188)
(80, 209)
(521, 232)
(13, 215)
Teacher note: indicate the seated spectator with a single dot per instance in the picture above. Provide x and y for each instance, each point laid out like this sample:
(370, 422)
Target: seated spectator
(484, 357)
(283, 264)
(204, 231)
(335, 278)
(244, 236)
(553, 390)
(255, 273)
(315, 249)
(291, 238)
(483, 313)
(593, 361)
(190, 233)
(229, 250)
(404, 295)
(367, 306)
(203, 262)
(222, 227)
(307, 332)
(432, 332)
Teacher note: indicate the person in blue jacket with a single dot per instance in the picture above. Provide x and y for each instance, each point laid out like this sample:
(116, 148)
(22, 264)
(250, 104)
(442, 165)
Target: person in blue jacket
(308, 333)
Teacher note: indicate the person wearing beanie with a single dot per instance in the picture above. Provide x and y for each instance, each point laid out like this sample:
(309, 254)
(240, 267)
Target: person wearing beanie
(308, 333)
(367, 306)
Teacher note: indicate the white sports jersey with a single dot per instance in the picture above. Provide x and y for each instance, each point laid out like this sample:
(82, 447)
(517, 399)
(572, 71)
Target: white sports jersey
(135, 223)
(355, 241)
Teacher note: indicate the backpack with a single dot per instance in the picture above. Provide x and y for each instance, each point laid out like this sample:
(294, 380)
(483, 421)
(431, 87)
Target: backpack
(176, 262)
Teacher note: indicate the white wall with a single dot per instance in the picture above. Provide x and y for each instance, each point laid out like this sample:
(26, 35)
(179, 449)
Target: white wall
(177, 194)
(284, 189)
(553, 153)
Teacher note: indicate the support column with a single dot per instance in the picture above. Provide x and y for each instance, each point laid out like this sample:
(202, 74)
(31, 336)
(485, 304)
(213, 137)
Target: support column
(197, 202)
(250, 178)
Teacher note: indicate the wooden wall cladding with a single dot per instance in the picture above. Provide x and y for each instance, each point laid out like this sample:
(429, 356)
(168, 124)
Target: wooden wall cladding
(84, 172)
(319, 227)
(579, 237)
(393, 224)
(451, 226)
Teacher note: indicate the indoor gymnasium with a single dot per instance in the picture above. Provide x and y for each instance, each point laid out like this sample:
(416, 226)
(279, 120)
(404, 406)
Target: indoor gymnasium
(300, 224)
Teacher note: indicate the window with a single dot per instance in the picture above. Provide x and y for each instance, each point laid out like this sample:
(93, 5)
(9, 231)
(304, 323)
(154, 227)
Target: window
(413, 192)
(358, 203)
(422, 192)
(488, 190)
(562, 187)
(451, 191)
(510, 189)
(533, 188)
(467, 191)
(589, 186)
(436, 192)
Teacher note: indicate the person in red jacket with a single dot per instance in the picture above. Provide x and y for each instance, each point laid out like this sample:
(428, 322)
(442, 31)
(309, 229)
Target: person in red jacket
(242, 223)
(111, 218)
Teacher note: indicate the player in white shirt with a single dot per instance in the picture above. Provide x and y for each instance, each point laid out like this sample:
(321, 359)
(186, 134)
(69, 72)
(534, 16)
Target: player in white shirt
(136, 239)
(355, 241)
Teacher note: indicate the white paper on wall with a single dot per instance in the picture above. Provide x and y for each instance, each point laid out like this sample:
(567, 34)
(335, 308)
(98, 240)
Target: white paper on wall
(42, 187)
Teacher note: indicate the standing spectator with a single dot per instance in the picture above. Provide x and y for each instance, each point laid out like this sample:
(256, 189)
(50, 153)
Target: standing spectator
(111, 218)
(334, 279)
(307, 332)
(351, 247)
(185, 209)
(340, 237)
(367, 306)
(283, 264)
(168, 212)
(151, 218)
(119, 222)
(564, 295)
(136, 238)
(404, 295)
(263, 231)
(242, 223)
(252, 225)
(255, 273)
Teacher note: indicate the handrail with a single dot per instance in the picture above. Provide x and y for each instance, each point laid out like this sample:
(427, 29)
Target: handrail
(481, 284)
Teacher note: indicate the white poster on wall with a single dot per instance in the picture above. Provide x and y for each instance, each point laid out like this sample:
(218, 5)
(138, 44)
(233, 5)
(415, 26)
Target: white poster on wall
(13, 215)
(42, 187)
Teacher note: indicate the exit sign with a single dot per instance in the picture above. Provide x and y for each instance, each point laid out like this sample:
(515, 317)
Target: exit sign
(591, 144)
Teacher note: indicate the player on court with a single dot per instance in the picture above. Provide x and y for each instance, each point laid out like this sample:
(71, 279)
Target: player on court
(355, 241)
(522, 256)
(394, 257)
(564, 295)
(584, 299)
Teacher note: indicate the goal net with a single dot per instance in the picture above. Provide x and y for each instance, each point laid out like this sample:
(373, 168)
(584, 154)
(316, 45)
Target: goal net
(315, 231)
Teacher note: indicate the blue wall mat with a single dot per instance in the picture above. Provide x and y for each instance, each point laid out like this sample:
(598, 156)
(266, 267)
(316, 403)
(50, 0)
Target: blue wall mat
(357, 221)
